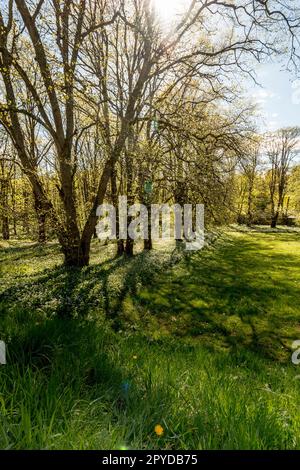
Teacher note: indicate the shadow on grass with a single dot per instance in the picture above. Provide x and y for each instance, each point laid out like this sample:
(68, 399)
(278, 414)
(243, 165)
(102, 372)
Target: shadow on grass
(16, 252)
(99, 289)
(239, 293)
(242, 293)
(65, 292)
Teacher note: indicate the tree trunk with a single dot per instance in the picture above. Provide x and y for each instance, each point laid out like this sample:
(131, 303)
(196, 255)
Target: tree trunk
(130, 196)
(148, 244)
(129, 247)
(120, 248)
(274, 220)
(5, 227)
(4, 204)
(13, 199)
(42, 228)
(114, 196)
(249, 212)
(76, 255)
(25, 212)
(179, 198)
(41, 218)
(75, 250)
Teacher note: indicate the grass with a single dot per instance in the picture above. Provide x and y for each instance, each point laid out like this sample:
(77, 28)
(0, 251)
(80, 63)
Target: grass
(200, 344)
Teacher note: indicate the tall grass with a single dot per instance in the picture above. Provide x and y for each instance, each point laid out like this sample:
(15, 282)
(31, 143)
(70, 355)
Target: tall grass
(79, 386)
(76, 383)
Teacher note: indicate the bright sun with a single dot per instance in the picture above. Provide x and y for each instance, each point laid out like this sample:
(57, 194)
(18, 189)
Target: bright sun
(167, 9)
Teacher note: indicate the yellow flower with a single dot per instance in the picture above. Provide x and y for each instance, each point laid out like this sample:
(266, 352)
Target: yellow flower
(134, 357)
(159, 430)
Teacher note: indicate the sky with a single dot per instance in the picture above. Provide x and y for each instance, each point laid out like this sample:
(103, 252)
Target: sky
(278, 98)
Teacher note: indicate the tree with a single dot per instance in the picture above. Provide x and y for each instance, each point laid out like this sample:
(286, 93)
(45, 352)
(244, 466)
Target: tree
(6, 174)
(282, 146)
(249, 163)
(46, 46)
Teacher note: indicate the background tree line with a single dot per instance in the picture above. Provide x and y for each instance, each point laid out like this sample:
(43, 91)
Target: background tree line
(268, 181)
(98, 99)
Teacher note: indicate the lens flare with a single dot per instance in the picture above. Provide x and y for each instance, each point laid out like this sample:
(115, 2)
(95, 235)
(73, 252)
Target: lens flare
(167, 10)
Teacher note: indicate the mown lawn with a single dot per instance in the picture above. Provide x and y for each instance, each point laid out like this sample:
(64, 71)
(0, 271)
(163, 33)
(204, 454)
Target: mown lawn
(200, 344)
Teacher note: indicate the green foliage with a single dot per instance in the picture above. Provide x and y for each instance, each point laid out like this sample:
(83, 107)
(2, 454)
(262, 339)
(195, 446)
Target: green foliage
(210, 361)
